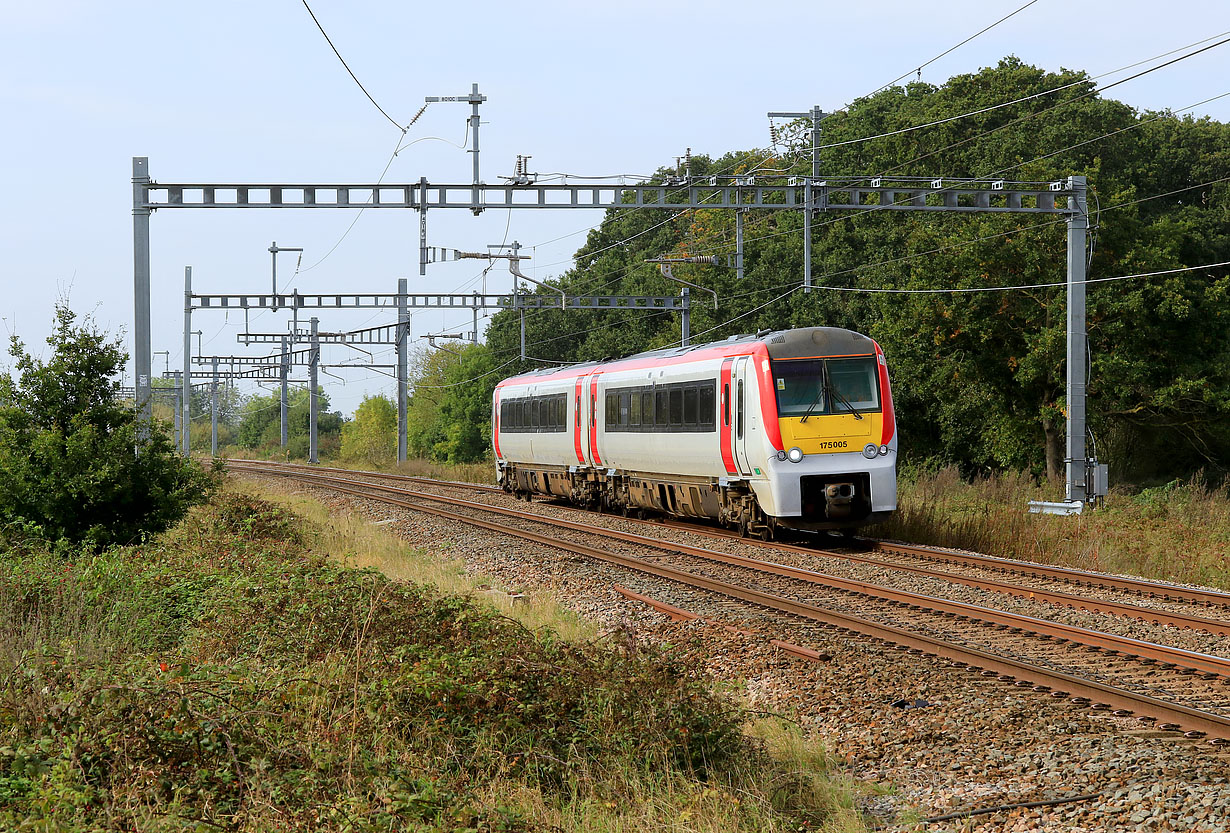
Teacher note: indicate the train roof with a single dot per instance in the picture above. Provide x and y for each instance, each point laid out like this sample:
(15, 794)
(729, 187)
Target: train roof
(803, 342)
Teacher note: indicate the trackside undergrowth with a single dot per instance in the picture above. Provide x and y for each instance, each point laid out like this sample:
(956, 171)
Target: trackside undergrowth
(1176, 532)
(228, 675)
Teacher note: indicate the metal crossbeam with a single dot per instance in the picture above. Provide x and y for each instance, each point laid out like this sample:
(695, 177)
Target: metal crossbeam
(297, 358)
(386, 334)
(899, 194)
(389, 300)
(259, 374)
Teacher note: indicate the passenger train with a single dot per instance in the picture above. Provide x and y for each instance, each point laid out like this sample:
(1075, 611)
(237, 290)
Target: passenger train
(792, 428)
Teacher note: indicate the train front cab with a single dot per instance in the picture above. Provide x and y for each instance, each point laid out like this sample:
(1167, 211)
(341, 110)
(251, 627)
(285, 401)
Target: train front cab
(834, 464)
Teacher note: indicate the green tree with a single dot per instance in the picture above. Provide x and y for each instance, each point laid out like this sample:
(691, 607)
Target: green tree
(449, 413)
(372, 434)
(76, 466)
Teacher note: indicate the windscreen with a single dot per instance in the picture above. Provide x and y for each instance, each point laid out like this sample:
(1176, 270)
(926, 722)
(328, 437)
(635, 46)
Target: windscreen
(826, 386)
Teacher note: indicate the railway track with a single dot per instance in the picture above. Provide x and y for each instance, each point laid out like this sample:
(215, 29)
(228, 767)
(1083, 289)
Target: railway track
(1199, 601)
(1177, 689)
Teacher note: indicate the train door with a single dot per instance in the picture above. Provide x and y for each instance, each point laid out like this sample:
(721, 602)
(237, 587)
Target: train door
(740, 401)
(579, 421)
(595, 459)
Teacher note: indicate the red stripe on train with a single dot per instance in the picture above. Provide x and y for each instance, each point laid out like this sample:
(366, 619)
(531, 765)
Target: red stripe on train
(728, 457)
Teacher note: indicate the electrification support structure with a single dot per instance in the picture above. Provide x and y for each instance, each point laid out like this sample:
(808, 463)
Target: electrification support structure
(403, 370)
(213, 409)
(284, 397)
(313, 404)
(1076, 466)
(141, 355)
(816, 115)
(187, 380)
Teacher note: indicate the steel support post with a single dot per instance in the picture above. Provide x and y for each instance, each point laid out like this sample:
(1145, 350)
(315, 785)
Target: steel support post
(1078, 225)
(141, 286)
(686, 317)
(739, 243)
(284, 399)
(403, 370)
(517, 296)
(807, 236)
(213, 409)
(476, 200)
(186, 389)
(422, 225)
(178, 409)
(313, 451)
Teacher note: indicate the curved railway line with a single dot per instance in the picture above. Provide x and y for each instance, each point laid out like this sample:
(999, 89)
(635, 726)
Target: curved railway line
(1171, 687)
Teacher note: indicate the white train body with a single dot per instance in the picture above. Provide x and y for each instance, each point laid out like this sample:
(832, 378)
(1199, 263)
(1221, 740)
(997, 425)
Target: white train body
(789, 428)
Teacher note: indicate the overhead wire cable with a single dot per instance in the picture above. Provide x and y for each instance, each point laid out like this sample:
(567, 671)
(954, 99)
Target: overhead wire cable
(1037, 95)
(1010, 288)
(952, 49)
(329, 40)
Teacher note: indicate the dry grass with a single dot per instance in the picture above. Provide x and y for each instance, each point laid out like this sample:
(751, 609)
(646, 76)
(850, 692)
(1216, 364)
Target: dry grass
(1177, 532)
(359, 542)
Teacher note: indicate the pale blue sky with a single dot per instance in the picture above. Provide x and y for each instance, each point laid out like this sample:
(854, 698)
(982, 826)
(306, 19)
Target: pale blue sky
(249, 91)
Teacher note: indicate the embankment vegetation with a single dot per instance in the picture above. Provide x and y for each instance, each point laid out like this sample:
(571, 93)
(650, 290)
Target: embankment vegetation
(228, 675)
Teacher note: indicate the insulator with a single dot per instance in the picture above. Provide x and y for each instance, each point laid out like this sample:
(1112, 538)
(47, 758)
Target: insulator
(416, 116)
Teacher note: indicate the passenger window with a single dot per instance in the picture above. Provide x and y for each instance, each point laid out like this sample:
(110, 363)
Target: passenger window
(706, 407)
(623, 409)
(634, 409)
(661, 413)
(612, 410)
(690, 406)
(647, 408)
(676, 408)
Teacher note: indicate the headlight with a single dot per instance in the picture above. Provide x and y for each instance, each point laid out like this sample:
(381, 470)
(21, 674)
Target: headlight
(883, 450)
(795, 454)
(781, 456)
(870, 451)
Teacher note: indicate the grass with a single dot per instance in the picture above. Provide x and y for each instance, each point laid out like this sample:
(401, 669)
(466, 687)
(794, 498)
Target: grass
(1177, 532)
(229, 675)
(358, 542)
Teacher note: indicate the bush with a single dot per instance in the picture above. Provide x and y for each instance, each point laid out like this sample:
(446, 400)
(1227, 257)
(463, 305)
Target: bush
(80, 466)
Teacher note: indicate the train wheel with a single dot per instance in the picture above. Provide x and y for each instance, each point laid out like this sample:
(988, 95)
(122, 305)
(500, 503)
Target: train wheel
(743, 528)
